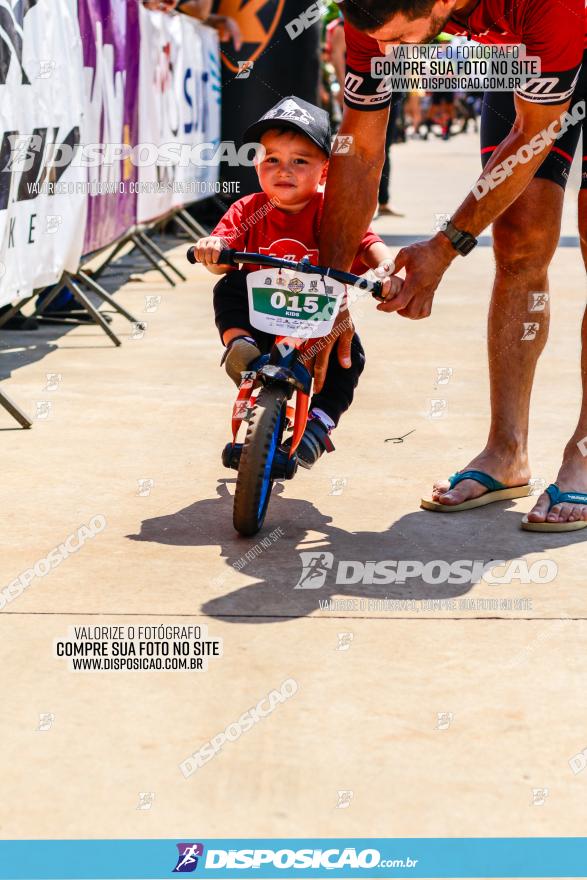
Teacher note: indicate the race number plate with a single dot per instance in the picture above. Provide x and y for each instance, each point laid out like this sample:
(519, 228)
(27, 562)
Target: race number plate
(284, 303)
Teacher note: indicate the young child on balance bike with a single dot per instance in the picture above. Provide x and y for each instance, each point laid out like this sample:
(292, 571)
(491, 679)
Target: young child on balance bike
(284, 221)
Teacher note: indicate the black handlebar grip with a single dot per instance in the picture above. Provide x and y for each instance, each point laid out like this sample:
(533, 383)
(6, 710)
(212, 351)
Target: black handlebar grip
(226, 257)
(376, 292)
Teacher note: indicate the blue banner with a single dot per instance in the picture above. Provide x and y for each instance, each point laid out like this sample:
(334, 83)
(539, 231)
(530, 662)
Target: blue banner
(270, 858)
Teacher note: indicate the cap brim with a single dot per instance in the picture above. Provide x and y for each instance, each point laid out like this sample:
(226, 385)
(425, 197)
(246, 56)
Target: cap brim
(254, 132)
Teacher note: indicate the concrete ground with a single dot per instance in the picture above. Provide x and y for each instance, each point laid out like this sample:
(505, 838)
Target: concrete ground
(441, 718)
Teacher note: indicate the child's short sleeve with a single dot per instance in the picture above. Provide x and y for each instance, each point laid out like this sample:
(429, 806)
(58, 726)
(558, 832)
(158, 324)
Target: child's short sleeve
(231, 227)
(369, 238)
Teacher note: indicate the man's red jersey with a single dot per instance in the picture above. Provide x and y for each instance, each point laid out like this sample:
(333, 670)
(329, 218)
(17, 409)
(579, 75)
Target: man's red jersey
(552, 30)
(254, 224)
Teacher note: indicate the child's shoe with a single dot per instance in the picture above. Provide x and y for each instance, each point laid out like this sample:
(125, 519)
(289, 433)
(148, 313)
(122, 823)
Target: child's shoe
(315, 440)
(238, 355)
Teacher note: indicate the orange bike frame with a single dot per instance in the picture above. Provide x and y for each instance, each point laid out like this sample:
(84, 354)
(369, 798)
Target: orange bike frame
(243, 399)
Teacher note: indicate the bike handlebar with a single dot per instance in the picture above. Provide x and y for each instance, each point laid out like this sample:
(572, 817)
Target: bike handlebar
(229, 257)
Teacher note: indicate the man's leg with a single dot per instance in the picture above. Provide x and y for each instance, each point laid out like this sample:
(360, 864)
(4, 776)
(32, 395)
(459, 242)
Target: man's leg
(525, 239)
(572, 476)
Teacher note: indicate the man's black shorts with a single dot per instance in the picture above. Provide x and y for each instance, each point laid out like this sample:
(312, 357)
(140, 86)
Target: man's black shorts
(497, 118)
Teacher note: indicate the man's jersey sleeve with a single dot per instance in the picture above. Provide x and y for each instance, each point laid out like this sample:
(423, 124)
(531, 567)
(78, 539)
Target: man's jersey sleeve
(551, 30)
(555, 32)
(361, 90)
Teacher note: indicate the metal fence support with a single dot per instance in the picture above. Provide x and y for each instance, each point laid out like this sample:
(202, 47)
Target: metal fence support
(141, 242)
(87, 304)
(135, 238)
(193, 224)
(15, 411)
(104, 295)
(97, 272)
(148, 242)
(188, 227)
(12, 312)
(40, 308)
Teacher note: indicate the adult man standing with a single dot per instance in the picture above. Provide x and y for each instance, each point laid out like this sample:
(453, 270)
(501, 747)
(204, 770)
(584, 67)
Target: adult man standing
(525, 210)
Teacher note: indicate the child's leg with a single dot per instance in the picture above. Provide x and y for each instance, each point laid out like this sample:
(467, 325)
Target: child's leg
(241, 350)
(339, 386)
(231, 311)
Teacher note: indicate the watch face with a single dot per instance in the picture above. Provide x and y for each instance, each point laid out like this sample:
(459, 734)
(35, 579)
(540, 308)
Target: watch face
(467, 245)
(463, 242)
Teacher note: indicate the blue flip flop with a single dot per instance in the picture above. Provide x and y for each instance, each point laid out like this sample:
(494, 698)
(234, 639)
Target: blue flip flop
(558, 497)
(496, 491)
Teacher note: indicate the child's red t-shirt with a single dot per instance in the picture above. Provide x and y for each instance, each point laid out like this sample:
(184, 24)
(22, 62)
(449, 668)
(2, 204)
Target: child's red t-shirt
(255, 224)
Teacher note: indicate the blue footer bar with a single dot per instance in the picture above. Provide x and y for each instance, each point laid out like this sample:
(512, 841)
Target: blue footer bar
(367, 858)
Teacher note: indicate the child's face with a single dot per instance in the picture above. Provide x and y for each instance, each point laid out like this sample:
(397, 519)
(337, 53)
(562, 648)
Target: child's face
(292, 168)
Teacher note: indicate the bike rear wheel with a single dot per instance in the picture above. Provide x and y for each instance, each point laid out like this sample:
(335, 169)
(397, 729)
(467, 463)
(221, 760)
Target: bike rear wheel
(254, 482)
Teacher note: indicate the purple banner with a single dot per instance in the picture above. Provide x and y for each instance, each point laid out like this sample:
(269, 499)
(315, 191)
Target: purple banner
(110, 38)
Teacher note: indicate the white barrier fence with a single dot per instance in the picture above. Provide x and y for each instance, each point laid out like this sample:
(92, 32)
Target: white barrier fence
(52, 103)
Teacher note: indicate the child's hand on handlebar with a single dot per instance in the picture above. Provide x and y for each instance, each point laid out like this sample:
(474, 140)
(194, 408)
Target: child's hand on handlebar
(207, 250)
(391, 284)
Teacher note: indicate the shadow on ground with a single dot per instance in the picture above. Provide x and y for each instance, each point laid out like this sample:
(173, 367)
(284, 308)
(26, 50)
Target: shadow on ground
(20, 349)
(289, 585)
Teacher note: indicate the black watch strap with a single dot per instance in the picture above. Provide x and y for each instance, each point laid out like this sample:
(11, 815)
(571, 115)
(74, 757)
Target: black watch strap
(463, 242)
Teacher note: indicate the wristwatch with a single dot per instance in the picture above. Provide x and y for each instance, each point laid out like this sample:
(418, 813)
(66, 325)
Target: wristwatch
(463, 242)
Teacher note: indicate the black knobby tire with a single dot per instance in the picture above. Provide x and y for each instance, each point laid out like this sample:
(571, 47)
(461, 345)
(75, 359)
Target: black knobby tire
(264, 431)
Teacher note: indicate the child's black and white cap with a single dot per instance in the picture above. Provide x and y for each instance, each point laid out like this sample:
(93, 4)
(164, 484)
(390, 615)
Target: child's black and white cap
(298, 115)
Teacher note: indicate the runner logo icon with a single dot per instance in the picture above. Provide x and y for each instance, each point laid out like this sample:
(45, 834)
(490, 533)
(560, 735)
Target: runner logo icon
(187, 860)
(315, 565)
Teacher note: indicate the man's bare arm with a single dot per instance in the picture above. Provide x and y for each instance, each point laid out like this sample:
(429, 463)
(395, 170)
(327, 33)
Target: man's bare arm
(337, 56)
(349, 204)
(426, 262)
(474, 215)
(351, 186)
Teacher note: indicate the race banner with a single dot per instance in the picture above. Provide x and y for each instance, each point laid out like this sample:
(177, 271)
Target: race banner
(74, 77)
(110, 39)
(42, 204)
(179, 113)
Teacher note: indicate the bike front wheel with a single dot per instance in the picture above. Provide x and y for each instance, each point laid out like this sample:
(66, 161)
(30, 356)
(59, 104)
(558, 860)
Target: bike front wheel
(254, 482)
